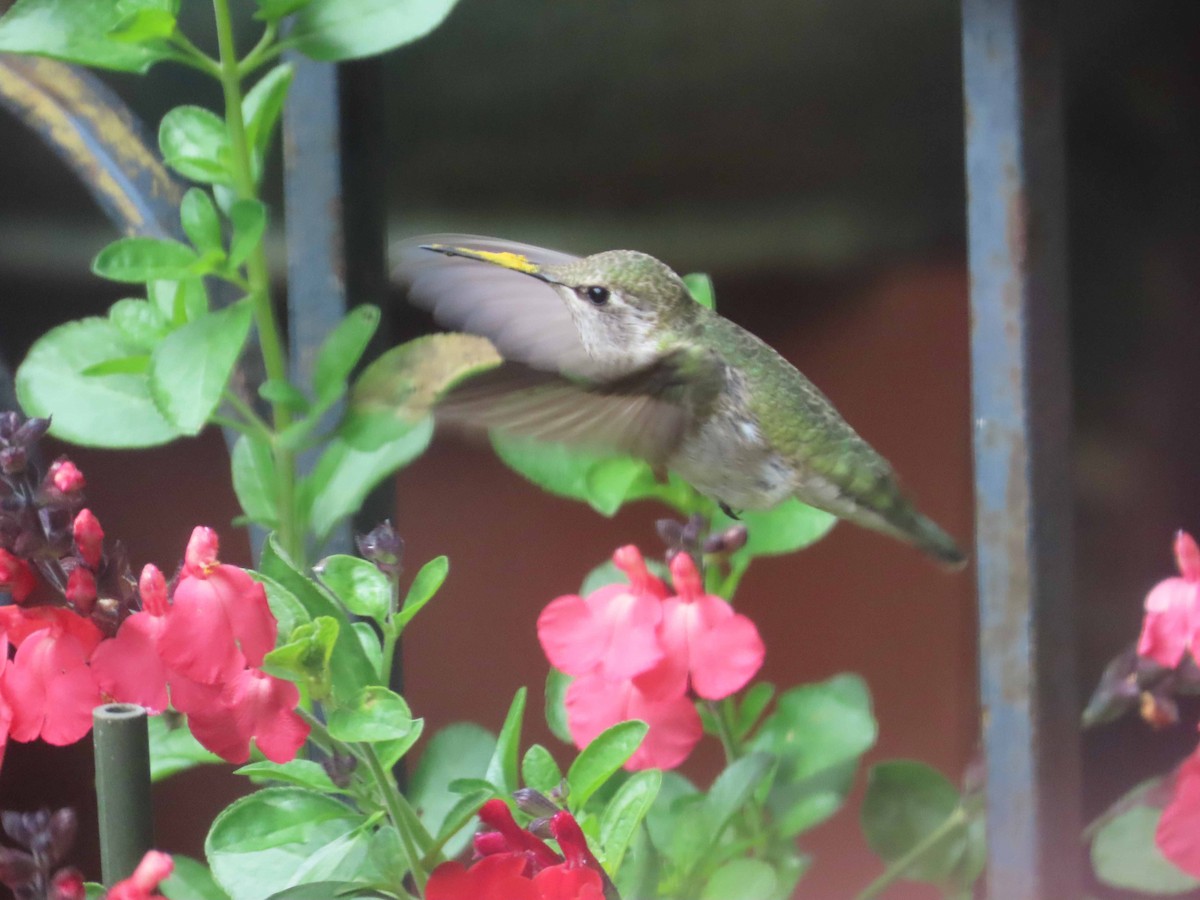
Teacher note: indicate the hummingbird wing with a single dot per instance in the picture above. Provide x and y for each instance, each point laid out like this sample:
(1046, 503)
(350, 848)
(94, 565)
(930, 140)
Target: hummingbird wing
(645, 413)
(523, 317)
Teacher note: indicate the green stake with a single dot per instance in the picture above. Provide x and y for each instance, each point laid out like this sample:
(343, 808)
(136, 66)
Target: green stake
(122, 748)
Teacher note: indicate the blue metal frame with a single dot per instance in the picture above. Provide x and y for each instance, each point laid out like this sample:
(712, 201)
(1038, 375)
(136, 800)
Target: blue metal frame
(1021, 395)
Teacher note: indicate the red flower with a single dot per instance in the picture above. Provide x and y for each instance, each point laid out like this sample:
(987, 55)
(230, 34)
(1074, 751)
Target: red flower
(594, 703)
(1170, 625)
(613, 628)
(89, 538)
(252, 705)
(219, 621)
(520, 865)
(128, 667)
(16, 576)
(154, 868)
(702, 637)
(6, 713)
(50, 687)
(1178, 833)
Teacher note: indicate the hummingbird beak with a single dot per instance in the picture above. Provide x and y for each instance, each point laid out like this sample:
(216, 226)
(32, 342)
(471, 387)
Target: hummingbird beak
(513, 261)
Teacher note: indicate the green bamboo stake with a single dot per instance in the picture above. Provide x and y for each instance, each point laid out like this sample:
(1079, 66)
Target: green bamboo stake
(122, 749)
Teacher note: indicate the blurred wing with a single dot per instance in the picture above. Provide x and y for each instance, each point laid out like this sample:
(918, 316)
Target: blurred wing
(523, 317)
(634, 415)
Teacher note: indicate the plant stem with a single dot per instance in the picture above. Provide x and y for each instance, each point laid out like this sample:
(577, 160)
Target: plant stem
(261, 52)
(396, 812)
(259, 278)
(895, 871)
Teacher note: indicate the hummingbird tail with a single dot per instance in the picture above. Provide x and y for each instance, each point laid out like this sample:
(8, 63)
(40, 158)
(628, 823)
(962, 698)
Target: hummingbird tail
(927, 535)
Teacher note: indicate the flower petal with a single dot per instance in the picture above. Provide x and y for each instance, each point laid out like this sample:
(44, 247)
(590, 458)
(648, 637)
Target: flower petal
(1178, 832)
(1167, 626)
(128, 667)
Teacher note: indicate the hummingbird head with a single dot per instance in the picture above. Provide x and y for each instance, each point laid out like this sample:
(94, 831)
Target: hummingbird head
(624, 303)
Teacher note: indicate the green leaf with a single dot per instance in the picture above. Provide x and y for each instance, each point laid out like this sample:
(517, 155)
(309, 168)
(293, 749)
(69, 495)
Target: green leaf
(753, 704)
(427, 583)
(78, 31)
(539, 770)
(126, 365)
(261, 109)
(784, 528)
(700, 286)
(350, 666)
(377, 714)
(249, 219)
(341, 351)
(623, 815)
(139, 321)
(733, 789)
(179, 302)
(361, 587)
(144, 26)
(904, 803)
(274, 10)
(200, 221)
(556, 710)
(190, 880)
(284, 393)
(306, 656)
(138, 259)
(335, 30)
(605, 481)
(254, 479)
(113, 410)
(328, 890)
(299, 772)
(461, 750)
(281, 837)
(502, 769)
(289, 612)
(601, 759)
(195, 143)
(818, 726)
(344, 476)
(742, 879)
(174, 750)
(1124, 855)
(190, 368)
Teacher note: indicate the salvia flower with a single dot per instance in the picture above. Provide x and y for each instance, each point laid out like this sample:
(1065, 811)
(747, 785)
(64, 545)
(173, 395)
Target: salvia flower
(1178, 832)
(154, 869)
(639, 652)
(1169, 629)
(518, 865)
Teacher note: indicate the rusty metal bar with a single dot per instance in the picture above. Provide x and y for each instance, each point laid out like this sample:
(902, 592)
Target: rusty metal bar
(1021, 395)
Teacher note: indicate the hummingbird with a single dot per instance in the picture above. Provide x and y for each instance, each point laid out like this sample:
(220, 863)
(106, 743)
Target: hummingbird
(612, 351)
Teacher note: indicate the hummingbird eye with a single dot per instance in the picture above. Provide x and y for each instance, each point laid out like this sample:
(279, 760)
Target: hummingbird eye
(597, 295)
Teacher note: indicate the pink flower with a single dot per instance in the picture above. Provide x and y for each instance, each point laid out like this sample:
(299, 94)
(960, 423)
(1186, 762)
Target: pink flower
(154, 868)
(613, 628)
(6, 713)
(65, 476)
(19, 622)
(704, 639)
(219, 621)
(595, 703)
(252, 705)
(1178, 833)
(16, 577)
(50, 687)
(128, 667)
(89, 538)
(1170, 624)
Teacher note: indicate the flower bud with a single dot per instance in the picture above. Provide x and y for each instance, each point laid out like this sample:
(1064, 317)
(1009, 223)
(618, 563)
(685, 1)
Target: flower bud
(201, 555)
(89, 538)
(383, 547)
(67, 884)
(81, 589)
(153, 589)
(16, 577)
(534, 803)
(66, 477)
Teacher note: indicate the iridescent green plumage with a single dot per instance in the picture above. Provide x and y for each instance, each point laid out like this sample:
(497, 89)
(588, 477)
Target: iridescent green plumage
(611, 350)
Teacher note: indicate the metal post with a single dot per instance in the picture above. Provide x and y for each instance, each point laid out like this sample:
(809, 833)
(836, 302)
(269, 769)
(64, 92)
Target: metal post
(1021, 394)
(335, 212)
(126, 812)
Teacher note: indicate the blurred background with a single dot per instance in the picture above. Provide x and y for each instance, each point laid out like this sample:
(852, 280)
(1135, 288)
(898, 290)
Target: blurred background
(809, 157)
